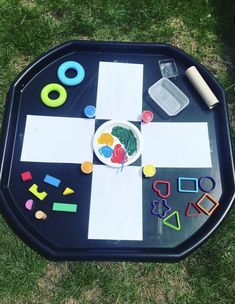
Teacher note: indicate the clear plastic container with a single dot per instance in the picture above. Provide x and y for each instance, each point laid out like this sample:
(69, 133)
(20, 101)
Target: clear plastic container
(168, 68)
(168, 96)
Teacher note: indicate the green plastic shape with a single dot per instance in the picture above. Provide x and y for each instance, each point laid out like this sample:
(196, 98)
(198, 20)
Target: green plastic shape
(64, 207)
(166, 221)
(53, 87)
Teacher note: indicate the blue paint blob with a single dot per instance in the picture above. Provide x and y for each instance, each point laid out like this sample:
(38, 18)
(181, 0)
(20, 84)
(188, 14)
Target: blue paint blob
(89, 111)
(106, 151)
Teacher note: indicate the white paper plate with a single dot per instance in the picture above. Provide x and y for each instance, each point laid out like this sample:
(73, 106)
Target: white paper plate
(107, 128)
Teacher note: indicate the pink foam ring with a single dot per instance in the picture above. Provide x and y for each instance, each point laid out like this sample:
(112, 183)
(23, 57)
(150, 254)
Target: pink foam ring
(168, 188)
(29, 204)
(147, 116)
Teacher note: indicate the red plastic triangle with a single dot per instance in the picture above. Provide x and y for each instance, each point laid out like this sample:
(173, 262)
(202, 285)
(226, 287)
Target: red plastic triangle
(196, 210)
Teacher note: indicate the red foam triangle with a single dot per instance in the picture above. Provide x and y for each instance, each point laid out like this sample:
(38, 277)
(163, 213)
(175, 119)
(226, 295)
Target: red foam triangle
(193, 206)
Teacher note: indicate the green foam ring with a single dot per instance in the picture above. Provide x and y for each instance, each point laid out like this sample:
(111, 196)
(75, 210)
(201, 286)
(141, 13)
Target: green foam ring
(53, 103)
(178, 225)
(64, 207)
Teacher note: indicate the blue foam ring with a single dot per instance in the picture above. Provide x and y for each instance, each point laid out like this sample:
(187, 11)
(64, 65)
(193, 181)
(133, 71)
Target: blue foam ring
(89, 111)
(61, 73)
(194, 179)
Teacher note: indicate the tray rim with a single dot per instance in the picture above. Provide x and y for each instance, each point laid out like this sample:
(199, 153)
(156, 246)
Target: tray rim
(142, 254)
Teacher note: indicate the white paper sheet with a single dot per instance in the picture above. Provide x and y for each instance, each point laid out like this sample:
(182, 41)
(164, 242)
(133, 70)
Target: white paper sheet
(57, 139)
(176, 145)
(116, 204)
(120, 90)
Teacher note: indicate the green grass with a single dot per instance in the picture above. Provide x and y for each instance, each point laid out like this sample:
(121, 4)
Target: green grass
(204, 29)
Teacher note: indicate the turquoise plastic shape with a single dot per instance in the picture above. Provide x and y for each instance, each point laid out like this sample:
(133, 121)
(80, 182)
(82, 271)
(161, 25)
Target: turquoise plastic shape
(192, 179)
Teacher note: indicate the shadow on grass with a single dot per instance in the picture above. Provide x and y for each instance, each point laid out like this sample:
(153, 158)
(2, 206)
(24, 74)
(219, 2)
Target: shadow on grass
(210, 269)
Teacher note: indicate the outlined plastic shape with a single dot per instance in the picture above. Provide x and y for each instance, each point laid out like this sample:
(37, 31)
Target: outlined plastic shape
(212, 209)
(192, 206)
(211, 179)
(158, 191)
(166, 221)
(155, 208)
(192, 179)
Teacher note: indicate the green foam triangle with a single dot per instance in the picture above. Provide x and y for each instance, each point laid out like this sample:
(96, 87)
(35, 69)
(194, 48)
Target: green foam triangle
(166, 221)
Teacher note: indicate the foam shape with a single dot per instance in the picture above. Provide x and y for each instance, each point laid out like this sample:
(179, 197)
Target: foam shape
(68, 191)
(53, 103)
(26, 176)
(212, 209)
(189, 208)
(64, 207)
(29, 204)
(71, 81)
(40, 215)
(166, 221)
(168, 188)
(51, 180)
(34, 190)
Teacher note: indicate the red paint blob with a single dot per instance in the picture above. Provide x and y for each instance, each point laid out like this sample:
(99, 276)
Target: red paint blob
(118, 155)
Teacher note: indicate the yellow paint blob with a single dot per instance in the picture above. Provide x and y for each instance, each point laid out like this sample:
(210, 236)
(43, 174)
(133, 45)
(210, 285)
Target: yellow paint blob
(149, 170)
(87, 167)
(106, 139)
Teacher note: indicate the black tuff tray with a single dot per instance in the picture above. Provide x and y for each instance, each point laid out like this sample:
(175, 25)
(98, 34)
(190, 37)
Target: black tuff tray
(64, 236)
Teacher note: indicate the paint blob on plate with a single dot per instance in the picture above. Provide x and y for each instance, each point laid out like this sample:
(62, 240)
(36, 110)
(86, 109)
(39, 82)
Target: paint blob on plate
(106, 138)
(117, 143)
(106, 151)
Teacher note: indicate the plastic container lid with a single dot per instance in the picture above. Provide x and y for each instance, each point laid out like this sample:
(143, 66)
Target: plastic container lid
(168, 96)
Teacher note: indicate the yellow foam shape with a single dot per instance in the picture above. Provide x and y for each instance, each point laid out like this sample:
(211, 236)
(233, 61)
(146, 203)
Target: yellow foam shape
(68, 191)
(106, 139)
(40, 195)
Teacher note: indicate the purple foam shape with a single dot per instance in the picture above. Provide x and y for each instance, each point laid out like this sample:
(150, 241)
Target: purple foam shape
(155, 204)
